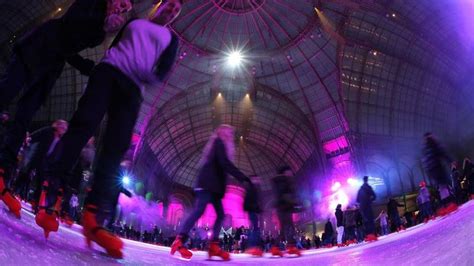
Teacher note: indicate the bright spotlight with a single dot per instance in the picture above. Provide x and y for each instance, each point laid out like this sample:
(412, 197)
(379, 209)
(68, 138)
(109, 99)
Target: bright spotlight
(126, 180)
(234, 59)
(336, 186)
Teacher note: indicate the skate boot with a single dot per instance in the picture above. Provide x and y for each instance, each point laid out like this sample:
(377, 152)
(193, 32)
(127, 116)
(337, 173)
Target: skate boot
(93, 232)
(471, 197)
(66, 219)
(370, 238)
(292, 250)
(255, 251)
(47, 218)
(14, 206)
(451, 207)
(178, 246)
(275, 251)
(216, 251)
(441, 212)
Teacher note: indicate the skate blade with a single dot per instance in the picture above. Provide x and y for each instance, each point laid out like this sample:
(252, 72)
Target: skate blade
(179, 257)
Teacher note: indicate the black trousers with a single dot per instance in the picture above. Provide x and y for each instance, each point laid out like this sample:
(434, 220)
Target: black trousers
(368, 218)
(37, 88)
(287, 227)
(203, 198)
(109, 92)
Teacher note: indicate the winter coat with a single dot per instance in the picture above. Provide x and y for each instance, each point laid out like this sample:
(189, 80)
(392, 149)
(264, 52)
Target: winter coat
(339, 218)
(366, 195)
(285, 194)
(350, 218)
(212, 176)
(328, 229)
(252, 199)
(62, 39)
(434, 157)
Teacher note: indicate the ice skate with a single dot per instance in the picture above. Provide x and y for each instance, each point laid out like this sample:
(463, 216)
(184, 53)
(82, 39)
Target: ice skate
(111, 243)
(216, 251)
(178, 246)
(451, 207)
(292, 250)
(47, 218)
(275, 251)
(67, 220)
(371, 238)
(14, 206)
(255, 251)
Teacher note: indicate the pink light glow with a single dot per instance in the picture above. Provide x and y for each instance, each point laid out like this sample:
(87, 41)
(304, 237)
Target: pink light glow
(335, 144)
(233, 202)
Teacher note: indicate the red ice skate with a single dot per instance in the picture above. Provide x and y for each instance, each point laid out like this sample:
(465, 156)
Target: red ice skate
(14, 206)
(275, 251)
(371, 238)
(93, 232)
(47, 218)
(216, 251)
(67, 220)
(178, 246)
(255, 251)
(451, 207)
(292, 250)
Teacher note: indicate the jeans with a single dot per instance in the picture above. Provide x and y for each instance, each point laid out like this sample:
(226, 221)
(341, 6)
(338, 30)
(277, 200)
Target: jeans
(37, 90)
(340, 234)
(254, 236)
(384, 229)
(203, 198)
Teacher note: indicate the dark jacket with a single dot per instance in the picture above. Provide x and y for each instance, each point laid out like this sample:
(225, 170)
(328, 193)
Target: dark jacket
(350, 218)
(285, 193)
(213, 174)
(57, 40)
(339, 218)
(366, 195)
(434, 157)
(40, 142)
(252, 199)
(392, 207)
(328, 229)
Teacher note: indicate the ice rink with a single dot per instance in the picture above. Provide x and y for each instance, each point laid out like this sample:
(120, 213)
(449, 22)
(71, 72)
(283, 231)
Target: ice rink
(445, 241)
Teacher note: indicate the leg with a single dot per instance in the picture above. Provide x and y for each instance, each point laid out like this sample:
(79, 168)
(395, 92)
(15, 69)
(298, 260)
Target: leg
(90, 111)
(202, 199)
(122, 115)
(27, 106)
(12, 81)
(217, 203)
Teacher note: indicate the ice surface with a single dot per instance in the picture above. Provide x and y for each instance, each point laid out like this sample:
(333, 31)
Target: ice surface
(446, 241)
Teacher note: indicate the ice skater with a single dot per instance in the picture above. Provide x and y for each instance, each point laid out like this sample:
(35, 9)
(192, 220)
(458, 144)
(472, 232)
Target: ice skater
(142, 54)
(252, 206)
(286, 204)
(339, 224)
(216, 163)
(434, 159)
(37, 61)
(365, 197)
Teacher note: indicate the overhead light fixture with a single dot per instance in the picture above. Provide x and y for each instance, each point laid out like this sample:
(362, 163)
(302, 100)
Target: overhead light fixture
(60, 9)
(234, 59)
